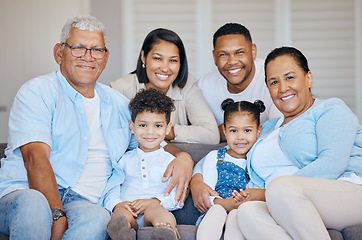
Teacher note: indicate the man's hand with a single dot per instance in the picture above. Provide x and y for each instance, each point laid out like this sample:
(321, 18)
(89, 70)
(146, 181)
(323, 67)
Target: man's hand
(181, 171)
(41, 177)
(58, 228)
(201, 192)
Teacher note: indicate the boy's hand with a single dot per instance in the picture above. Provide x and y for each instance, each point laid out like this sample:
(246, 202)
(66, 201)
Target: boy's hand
(124, 205)
(140, 205)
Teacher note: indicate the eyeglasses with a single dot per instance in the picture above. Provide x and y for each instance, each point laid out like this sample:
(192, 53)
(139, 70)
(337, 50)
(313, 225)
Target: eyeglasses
(97, 53)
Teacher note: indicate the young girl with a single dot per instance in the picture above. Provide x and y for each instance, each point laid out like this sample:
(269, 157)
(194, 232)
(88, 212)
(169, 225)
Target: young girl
(224, 169)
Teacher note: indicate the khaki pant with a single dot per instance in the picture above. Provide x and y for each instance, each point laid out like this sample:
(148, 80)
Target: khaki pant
(301, 208)
(212, 225)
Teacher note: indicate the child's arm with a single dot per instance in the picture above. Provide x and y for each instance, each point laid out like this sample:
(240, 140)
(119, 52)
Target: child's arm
(228, 203)
(112, 198)
(249, 194)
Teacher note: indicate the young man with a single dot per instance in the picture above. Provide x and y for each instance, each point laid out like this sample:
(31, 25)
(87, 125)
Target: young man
(66, 133)
(140, 199)
(240, 74)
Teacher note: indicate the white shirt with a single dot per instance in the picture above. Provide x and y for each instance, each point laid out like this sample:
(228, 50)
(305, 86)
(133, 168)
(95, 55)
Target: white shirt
(214, 88)
(143, 178)
(269, 161)
(98, 167)
(209, 169)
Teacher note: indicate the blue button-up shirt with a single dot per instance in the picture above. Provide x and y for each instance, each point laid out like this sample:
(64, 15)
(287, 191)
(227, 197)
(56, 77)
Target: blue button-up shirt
(48, 109)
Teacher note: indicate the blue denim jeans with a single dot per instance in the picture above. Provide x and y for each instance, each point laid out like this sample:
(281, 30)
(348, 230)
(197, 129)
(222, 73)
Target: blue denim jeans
(25, 214)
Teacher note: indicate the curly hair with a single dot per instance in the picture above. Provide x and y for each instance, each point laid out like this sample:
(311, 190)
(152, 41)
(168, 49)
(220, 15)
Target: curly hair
(153, 101)
(230, 106)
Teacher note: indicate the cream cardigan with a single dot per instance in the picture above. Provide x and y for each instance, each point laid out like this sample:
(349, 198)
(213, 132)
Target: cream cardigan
(190, 105)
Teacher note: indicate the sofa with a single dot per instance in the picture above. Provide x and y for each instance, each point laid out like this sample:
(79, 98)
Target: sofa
(186, 217)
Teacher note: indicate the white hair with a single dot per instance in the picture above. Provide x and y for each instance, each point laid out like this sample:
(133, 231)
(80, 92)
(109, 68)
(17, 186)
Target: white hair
(87, 23)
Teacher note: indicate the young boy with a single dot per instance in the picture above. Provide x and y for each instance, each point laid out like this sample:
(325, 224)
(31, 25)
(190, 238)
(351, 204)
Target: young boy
(140, 198)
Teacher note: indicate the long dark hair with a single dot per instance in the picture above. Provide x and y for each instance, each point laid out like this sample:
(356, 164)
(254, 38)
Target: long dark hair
(153, 38)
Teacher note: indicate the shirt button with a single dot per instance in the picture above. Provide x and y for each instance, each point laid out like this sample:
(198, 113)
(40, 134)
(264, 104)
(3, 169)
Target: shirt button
(144, 175)
(142, 160)
(83, 164)
(85, 138)
(143, 167)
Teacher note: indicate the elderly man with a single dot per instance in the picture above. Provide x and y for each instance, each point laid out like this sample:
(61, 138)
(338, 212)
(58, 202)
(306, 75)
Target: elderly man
(66, 133)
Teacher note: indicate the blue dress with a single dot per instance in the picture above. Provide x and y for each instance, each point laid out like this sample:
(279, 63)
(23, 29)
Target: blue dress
(230, 177)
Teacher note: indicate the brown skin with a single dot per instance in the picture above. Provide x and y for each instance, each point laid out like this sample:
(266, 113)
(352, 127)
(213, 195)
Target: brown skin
(181, 171)
(228, 204)
(233, 52)
(289, 85)
(154, 213)
(41, 177)
(81, 73)
(200, 193)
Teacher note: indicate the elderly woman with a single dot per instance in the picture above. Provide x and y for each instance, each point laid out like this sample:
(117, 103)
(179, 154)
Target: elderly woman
(162, 65)
(318, 142)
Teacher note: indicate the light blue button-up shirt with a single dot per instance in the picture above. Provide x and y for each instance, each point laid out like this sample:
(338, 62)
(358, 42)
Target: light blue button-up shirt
(48, 109)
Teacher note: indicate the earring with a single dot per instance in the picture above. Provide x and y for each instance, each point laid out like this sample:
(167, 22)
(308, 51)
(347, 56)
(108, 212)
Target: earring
(143, 65)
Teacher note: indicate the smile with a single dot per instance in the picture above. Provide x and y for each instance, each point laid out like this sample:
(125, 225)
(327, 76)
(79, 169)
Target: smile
(287, 97)
(241, 144)
(150, 139)
(162, 76)
(85, 67)
(234, 71)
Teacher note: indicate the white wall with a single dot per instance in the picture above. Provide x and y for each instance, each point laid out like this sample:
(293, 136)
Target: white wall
(329, 32)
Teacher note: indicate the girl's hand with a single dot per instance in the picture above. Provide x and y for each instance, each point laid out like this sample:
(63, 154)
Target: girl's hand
(228, 203)
(140, 205)
(251, 194)
(240, 196)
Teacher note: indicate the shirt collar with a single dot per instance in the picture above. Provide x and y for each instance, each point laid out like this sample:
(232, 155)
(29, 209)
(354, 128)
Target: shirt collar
(73, 94)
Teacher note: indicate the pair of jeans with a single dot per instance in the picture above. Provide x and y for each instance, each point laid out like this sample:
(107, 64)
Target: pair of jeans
(25, 214)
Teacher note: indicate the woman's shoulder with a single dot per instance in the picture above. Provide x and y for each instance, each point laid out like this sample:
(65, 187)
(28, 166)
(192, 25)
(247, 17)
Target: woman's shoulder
(331, 105)
(128, 85)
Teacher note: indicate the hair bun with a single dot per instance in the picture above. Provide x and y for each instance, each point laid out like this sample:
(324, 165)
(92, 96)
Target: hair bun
(259, 105)
(227, 102)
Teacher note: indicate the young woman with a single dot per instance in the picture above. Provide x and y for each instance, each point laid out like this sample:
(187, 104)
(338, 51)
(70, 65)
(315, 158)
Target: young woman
(162, 65)
(319, 142)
